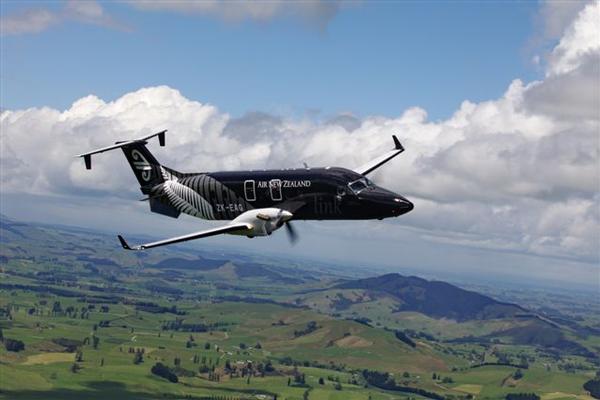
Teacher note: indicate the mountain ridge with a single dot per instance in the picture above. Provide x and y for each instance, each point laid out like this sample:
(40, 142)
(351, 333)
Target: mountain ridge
(437, 299)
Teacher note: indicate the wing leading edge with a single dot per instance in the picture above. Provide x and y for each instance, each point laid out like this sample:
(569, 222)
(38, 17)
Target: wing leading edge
(379, 161)
(231, 228)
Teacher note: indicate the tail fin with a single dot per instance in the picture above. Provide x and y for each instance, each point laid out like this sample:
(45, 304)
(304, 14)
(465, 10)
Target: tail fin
(145, 167)
(148, 171)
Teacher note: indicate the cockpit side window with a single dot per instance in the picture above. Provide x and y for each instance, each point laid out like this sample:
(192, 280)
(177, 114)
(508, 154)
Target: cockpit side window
(359, 185)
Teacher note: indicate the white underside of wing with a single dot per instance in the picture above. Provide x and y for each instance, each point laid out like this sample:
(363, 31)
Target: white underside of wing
(229, 228)
(256, 222)
(375, 163)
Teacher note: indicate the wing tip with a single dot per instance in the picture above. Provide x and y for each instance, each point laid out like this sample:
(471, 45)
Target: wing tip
(124, 243)
(397, 143)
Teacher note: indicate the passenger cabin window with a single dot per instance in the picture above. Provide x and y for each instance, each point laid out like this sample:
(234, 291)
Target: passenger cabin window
(275, 188)
(250, 190)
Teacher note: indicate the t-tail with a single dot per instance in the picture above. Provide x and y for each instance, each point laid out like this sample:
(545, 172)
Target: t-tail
(148, 171)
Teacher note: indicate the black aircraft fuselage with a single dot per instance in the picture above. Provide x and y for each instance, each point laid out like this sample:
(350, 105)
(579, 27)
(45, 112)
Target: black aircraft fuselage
(319, 193)
(258, 202)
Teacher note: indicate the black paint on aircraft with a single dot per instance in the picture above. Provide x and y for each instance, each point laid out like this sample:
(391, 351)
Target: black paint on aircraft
(257, 202)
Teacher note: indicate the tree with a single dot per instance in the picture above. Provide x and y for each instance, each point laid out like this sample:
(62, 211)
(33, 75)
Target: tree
(321, 381)
(522, 396)
(269, 367)
(593, 386)
(138, 358)
(203, 369)
(96, 341)
(163, 371)
(14, 345)
(524, 361)
(300, 378)
(207, 346)
(337, 386)
(75, 367)
(406, 374)
(518, 374)
(102, 362)
(79, 356)
(56, 308)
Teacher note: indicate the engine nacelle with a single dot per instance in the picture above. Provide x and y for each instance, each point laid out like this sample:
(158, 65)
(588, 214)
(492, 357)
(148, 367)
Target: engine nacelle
(263, 220)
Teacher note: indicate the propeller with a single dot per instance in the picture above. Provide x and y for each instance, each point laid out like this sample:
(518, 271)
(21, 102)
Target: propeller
(292, 235)
(283, 218)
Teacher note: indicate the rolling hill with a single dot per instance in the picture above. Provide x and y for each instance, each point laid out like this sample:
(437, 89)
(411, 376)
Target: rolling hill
(434, 298)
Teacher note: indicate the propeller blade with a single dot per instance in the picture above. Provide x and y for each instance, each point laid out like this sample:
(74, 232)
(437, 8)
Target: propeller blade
(282, 217)
(292, 235)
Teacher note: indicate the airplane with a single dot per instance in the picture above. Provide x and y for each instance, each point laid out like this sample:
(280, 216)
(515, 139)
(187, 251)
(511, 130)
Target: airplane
(257, 202)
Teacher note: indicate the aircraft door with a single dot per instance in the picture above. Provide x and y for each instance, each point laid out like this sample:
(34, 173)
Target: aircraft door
(250, 190)
(275, 189)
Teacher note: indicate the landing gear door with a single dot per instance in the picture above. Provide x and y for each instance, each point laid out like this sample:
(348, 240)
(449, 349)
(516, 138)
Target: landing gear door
(275, 188)
(250, 190)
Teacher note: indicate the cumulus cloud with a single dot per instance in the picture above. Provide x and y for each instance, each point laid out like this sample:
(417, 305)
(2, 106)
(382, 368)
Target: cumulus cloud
(519, 173)
(582, 37)
(316, 12)
(573, 94)
(38, 19)
(557, 15)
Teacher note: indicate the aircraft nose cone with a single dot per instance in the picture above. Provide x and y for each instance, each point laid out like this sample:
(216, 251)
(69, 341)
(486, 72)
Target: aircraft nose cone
(403, 205)
(388, 203)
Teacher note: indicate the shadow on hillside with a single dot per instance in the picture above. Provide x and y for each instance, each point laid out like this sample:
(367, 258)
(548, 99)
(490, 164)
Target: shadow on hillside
(96, 390)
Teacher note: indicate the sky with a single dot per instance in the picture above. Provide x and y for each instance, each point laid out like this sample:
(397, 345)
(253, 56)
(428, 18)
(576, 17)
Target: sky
(496, 103)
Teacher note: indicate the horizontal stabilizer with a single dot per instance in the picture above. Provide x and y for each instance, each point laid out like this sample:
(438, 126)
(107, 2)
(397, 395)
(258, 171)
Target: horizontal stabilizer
(87, 157)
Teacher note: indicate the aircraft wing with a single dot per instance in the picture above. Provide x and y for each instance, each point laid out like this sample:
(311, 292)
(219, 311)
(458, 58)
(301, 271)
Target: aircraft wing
(239, 227)
(379, 161)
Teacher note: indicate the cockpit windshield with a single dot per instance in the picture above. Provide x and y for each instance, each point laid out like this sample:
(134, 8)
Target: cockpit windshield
(359, 185)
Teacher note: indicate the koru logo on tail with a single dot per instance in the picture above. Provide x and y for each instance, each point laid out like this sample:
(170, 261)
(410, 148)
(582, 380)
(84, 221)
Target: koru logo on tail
(140, 163)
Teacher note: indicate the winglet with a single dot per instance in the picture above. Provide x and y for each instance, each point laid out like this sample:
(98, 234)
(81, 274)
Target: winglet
(397, 143)
(124, 243)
